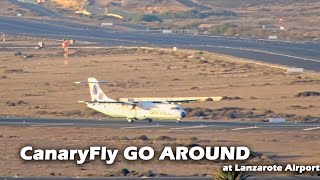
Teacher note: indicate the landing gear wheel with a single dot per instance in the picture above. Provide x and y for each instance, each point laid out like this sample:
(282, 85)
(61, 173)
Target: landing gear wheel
(150, 120)
(178, 120)
(130, 120)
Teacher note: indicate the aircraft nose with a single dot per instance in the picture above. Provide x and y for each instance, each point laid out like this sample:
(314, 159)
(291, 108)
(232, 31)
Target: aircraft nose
(183, 114)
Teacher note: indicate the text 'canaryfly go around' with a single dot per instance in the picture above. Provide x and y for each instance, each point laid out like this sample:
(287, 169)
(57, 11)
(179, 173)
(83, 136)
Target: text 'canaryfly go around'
(133, 153)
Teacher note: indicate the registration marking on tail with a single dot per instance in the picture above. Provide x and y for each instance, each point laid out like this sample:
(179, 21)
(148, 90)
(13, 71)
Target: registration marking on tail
(244, 128)
(313, 128)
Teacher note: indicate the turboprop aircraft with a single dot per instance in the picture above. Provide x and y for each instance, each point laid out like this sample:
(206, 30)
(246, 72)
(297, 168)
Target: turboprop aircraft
(139, 108)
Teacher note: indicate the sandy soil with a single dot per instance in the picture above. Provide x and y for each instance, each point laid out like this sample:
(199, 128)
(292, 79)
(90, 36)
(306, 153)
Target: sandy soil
(271, 147)
(37, 83)
(9, 9)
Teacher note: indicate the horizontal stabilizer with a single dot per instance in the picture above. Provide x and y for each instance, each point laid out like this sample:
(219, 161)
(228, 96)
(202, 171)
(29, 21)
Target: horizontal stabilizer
(88, 82)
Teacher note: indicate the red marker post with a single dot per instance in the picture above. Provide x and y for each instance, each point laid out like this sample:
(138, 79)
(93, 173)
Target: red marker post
(65, 45)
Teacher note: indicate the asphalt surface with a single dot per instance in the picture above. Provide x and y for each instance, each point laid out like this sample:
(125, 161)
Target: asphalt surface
(167, 125)
(298, 54)
(42, 11)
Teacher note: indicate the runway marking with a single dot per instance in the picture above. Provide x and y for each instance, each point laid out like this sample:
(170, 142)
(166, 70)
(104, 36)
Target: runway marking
(137, 127)
(267, 52)
(38, 125)
(11, 122)
(244, 128)
(289, 125)
(79, 36)
(51, 124)
(192, 127)
(313, 128)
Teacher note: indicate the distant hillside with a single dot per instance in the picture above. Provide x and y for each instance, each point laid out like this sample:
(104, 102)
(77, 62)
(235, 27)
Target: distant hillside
(70, 4)
(249, 3)
(142, 6)
(298, 19)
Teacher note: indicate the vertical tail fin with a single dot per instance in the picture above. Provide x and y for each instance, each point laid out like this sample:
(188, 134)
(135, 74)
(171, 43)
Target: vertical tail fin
(96, 92)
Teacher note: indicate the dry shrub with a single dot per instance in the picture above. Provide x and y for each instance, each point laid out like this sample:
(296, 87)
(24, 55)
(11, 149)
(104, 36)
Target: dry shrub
(165, 138)
(16, 103)
(142, 137)
(70, 113)
(307, 94)
(17, 71)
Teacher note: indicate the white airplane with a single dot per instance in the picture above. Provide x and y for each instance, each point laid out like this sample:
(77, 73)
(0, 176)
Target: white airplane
(138, 108)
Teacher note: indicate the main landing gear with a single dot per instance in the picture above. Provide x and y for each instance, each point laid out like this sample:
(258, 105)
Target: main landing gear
(131, 120)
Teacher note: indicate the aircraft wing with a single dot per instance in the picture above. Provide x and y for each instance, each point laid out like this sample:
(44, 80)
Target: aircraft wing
(171, 100)
(106, 102)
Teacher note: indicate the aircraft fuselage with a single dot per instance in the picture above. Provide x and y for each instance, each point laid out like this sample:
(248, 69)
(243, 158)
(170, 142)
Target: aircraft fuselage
(141, 111)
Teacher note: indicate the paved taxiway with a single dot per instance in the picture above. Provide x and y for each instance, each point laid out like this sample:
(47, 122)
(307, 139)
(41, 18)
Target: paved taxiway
(299, 54)
(42, 11)
(168, 125)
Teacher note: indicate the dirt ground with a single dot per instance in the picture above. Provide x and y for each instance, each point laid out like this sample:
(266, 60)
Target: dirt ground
(267, 147)
(37, 83)
(9, 9)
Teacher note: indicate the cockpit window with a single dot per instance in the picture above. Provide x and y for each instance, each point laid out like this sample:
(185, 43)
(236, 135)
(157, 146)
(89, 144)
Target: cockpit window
(175, 108)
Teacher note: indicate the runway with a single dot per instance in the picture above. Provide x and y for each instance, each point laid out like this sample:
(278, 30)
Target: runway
(198, 125)
(298, 54)
(42, 11)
